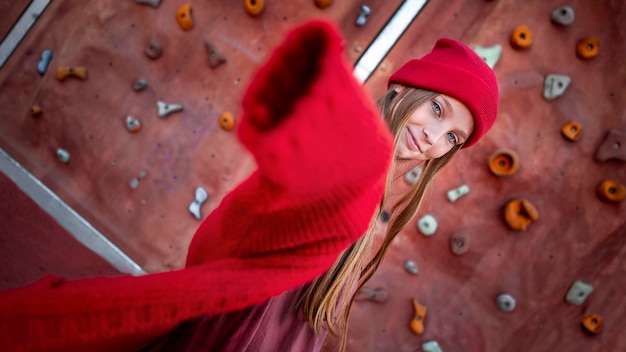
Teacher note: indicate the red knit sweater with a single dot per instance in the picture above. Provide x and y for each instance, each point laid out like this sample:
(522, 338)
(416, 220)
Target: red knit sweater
(322, 153)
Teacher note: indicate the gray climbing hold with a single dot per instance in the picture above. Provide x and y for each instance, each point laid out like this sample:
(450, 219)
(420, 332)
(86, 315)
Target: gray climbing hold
(555, 86)
(490, 54)
(456, 193)
(364, 12)
(431, 346)
(506, 303)
(164, 109)
(201, 197)
(140, 85)
(578, 293)
(427, 225)
(63, 155)
(132, 124)
(46, 57)
(411, 267)
(153, 3)
(413, 175)
(563, 15)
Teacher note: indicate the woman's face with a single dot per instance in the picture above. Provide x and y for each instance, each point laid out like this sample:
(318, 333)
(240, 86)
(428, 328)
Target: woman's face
(434, 128)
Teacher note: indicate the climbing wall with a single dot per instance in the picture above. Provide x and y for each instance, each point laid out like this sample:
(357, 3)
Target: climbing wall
(499, 289)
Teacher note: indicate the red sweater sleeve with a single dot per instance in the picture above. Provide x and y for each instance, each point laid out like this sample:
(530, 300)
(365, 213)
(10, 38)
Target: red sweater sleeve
(322, 154)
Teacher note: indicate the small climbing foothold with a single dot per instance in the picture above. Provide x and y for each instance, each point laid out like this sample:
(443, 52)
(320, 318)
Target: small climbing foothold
(132, 124)
(364, 12)
(505, 303)
(183, 15)
(153, 3)
(254, 7)
(427, 225)
(578, 293)
(164, 109)
(140, 85)
(134, 183)
(431, 346)
(215, 58)
(63, 155)
(323, 3)
(519, 213)
(521, 37)
(411, 267)
(613, 146)
(592, 323)
(456, 193)
(555, 85)
(588, 48)
(611, 191)
(460, 243)
(563, 15)
(227, 121)
(491, 55)
(413, 175)
(154, 49)
(379, 295)
(572, 131)
(417, 323)
(46, 57)
(503, 162)
(69, 71)
(201, 197)
(35, 110)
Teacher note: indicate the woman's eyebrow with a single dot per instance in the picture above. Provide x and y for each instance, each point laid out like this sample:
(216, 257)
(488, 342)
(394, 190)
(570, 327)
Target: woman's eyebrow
(448, 105)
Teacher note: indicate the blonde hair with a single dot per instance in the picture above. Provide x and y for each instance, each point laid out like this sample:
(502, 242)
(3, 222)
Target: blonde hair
(328, 300)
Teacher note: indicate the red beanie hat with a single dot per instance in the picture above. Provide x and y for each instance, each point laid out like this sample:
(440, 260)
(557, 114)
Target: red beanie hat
(454, 69)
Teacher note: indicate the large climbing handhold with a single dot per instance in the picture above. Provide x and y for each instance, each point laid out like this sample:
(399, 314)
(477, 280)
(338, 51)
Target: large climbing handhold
(572, 131)
(563, 15)
(183, 16)
(364, 12)
(254, 7)
(555, 85)
(413, 175)
(70, 71)
(505, 302)
(521, 37)
(46, 57)
(63, 155)
(588, 48)
(427, 225)
(431, 346)
(519, 214)
(227, 121)
(613, 146)
(611, 191)
(503, 162)
(140, 84)
(578, 293)
(490, 55)
(201, 196)
(215, 57)
(164, 109)
(417, 323)
(35, 110)
(456, 193)
(132, 124)
(592, 323)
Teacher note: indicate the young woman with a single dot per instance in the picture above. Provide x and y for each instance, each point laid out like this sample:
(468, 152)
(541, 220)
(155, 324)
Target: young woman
(275, 266)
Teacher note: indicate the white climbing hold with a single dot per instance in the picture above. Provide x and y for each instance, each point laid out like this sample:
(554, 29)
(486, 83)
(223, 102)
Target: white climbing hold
(134, 183)
(132, 124)
(411, 267)
(555, 86)
(427, 225)
(455, 194)
(506, 303)
(431, 346)
(63, 155)
(201, 197)
(364, 12)
(413, 175)
(164, 109)
(491, 55)
(578, 292)
(563, 15)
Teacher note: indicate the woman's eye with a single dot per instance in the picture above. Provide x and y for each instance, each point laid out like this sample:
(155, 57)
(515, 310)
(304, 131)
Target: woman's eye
(437, 108)
(452, 138)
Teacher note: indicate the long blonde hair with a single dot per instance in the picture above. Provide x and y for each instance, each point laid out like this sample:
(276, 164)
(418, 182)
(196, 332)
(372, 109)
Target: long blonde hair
(328, 300)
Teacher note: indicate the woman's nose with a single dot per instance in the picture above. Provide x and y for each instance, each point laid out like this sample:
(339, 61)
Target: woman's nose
(433, 134)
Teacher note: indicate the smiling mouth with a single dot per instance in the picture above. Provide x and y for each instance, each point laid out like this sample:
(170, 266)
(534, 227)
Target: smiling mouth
(412, 142)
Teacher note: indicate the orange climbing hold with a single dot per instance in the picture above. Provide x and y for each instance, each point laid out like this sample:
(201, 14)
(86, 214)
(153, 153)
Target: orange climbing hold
(521, 38)
(503, 162)
(592, 323)
(323, 3)
(519, 213)
(417, 323)
(227, 121)
(35, 110)
(588, 48)
(68, 71)
(254, 7)
(183, 15)
(572, 130)
(611, 191)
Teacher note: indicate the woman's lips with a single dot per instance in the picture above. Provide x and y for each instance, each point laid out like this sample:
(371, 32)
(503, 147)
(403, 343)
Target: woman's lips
(412, 143)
